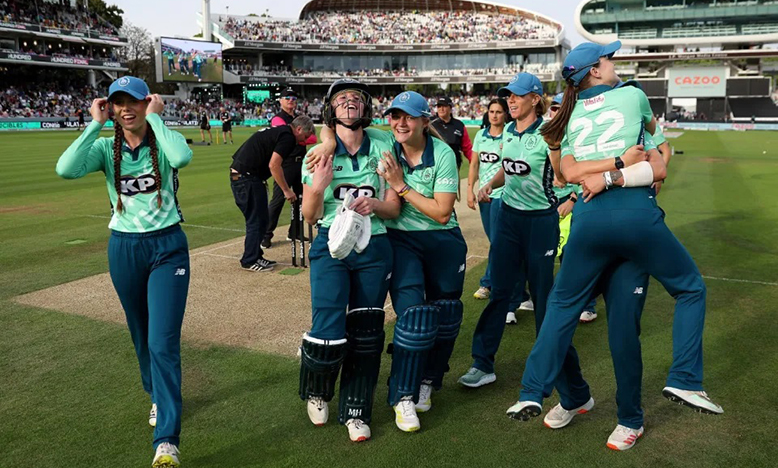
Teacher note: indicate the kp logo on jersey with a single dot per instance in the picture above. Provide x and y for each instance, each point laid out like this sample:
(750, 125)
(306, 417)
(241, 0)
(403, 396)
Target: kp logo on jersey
(341, 191)
(485, 157)
(134, 185)
(519, 168)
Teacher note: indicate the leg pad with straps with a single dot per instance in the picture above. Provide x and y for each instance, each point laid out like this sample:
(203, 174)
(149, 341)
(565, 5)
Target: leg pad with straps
(358, 379)
(414, 337)
(321, 360)
(449, 322)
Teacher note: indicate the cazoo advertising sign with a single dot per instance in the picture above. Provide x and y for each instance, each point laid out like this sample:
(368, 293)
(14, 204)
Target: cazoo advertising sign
(697, 82)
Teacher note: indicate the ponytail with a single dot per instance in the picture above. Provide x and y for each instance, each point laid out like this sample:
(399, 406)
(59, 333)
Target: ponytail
(155, 162)
(554, 131)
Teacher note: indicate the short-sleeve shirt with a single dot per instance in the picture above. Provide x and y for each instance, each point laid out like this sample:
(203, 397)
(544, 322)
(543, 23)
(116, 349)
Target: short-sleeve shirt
(225, 117)
(253, 156)
(529, 176)
(437, 172)
(353, 173)
(488, 149)
(606, 122)
(659, 136)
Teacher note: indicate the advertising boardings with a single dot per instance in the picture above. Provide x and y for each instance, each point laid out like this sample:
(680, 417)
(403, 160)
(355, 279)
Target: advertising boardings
(702, 82)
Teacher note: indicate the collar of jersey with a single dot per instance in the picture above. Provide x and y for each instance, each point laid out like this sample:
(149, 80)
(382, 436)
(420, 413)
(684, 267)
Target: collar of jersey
(531, 129)
(489, 135)
(427, 157)
(135, 152)
(594, 91)
(364, 149)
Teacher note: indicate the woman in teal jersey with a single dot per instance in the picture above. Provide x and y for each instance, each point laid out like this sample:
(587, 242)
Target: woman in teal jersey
(429, 255)
(148, 255)
(527, 235)
(599, 121)
(487, 146)
(347, 295)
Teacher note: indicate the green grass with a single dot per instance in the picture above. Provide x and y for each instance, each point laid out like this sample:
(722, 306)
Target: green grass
(70, 393)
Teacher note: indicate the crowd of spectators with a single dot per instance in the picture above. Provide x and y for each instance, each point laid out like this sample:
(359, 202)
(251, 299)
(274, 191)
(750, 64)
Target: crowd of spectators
(390, 27)
(46, 100)
(65, 50)
(60, 14)
(248, 69)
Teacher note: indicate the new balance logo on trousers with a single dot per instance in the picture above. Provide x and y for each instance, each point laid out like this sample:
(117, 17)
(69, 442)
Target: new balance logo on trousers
(180, 272)
(638, 291)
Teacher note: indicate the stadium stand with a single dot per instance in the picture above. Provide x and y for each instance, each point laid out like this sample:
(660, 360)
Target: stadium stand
(390, 27)
(757, 107)
(53, 15)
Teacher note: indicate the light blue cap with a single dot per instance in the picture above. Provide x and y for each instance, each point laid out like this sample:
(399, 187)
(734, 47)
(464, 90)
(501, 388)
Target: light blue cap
(558, 99)
(583, 57)
(135, 87)
(521, 84)
(412, 103)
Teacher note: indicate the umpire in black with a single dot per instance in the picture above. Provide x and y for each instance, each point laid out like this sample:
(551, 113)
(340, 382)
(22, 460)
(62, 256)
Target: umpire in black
(259, 158)
(292, 167)
(452, 130)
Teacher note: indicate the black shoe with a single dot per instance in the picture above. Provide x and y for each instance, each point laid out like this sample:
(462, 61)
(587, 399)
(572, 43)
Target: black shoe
(269, 262)
(266, 244)
(260, 265)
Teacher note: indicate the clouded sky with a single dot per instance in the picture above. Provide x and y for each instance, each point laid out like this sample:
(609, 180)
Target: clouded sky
(178, 17)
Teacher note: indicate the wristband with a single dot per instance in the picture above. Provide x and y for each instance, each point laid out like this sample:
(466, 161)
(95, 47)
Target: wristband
(608, 180)
(404, 191)
(557, 148)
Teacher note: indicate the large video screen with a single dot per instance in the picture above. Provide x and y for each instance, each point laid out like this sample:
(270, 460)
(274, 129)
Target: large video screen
(190, 61)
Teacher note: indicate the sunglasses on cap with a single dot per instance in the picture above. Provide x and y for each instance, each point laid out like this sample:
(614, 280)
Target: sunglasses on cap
(290, 98)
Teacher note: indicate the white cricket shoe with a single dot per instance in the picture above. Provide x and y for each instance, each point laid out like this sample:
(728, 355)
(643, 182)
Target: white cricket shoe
(153, 415)
(624, 438)
(166, 456)
(482, 293)
(527, 305)
(697, 400)
(524, 410)
(559, 417)
(358, 431)
(510, 318)
(405, 415)
(588, 316)
(318, 411)
(425, 398)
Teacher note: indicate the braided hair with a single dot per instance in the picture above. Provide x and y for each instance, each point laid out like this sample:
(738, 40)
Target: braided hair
(118, 141)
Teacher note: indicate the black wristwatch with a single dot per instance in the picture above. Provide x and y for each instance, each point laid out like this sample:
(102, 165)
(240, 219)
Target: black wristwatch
(619, 163)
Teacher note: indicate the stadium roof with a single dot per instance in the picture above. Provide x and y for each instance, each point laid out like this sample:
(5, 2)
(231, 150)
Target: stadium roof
(425, 5)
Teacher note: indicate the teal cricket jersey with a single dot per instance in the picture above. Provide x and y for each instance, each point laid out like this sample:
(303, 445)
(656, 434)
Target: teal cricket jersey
(437, 172)
(529, 177)
(488, 148)
(353, 173)
(606, 122)
(139, 190)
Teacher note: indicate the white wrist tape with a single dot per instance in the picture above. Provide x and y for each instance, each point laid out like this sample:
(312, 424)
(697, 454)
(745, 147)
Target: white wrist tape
(638, 175)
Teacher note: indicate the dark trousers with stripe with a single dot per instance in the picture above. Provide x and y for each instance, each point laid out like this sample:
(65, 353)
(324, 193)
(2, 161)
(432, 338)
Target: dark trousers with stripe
(619, 225)
(150, 272)
(250, 193)
(524, 238)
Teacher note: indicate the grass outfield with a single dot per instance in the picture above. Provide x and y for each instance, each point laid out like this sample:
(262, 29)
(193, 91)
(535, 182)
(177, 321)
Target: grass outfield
(70, 393)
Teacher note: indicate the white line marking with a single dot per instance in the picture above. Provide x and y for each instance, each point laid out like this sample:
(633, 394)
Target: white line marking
(733, 280)
(243, 231)
(217, 248)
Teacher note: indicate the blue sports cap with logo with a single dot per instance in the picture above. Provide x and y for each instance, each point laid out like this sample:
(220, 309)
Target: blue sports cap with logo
(412, 103)
(558, 99)
(521, 84)
(581, 59)
(135, 87)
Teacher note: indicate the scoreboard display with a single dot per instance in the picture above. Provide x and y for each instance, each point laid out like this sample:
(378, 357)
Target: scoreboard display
(260, 92)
